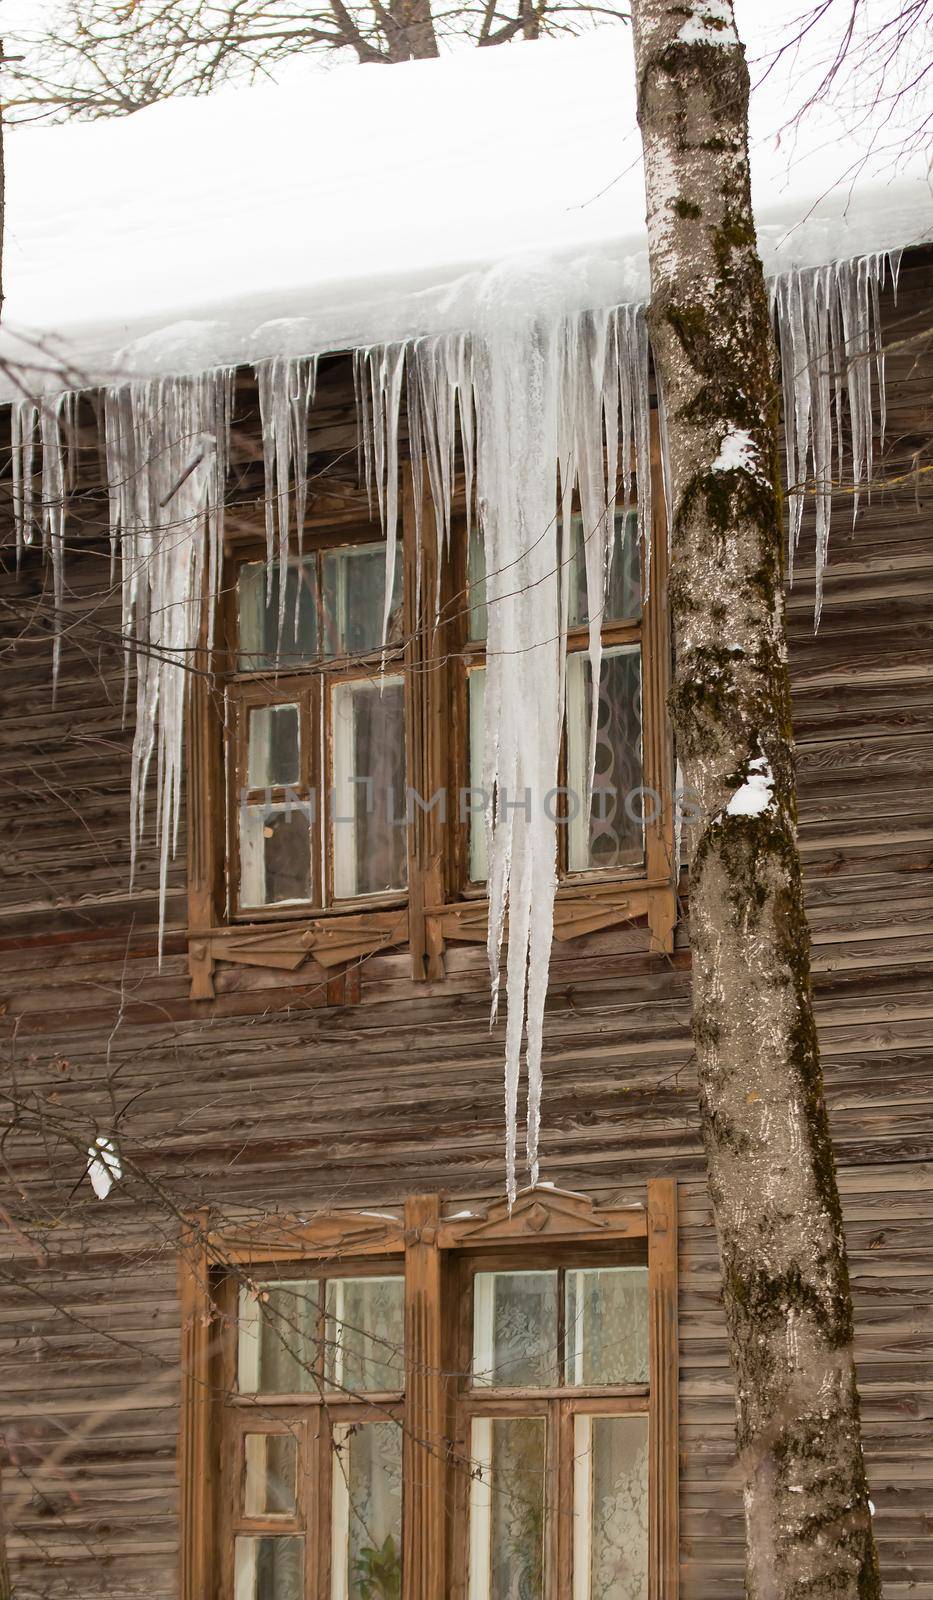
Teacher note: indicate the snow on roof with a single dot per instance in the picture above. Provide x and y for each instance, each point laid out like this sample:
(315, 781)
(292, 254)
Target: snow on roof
(364, 204)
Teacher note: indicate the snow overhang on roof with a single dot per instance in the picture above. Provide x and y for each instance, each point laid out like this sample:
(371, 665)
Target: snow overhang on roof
(364, 205)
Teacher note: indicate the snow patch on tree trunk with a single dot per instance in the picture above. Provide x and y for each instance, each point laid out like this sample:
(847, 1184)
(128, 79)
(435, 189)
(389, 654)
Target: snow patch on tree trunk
(757, 792)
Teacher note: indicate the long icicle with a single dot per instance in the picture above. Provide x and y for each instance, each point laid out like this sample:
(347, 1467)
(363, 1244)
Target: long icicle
(547, 398)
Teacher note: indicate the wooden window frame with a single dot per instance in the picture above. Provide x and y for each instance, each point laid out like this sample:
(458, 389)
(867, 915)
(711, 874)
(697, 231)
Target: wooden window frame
(243, 696)
(586, 901)
(325, 941)
(313, 1416)
(329, 945)
(313, 686)
(556, 1405)
(432, 1246)
(470, 655)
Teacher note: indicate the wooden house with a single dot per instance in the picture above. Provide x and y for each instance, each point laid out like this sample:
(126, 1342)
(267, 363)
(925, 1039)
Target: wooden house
(271, 1329)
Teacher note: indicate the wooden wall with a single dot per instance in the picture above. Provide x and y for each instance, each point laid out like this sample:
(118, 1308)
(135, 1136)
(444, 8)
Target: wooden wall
(265, 1098)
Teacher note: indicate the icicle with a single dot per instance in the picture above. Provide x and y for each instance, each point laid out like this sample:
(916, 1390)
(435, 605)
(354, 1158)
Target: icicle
(545, 396)
(53, 419)
(52, 415)
(286, 388)
(385, 368)
(439, 396)
(24, 416)
(364, 431)
(167, 446)
(829, 328)
(633, 356)
(303, 391)
(517, 368)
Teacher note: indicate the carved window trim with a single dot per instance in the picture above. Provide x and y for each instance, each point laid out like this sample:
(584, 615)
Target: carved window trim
(430, 1239)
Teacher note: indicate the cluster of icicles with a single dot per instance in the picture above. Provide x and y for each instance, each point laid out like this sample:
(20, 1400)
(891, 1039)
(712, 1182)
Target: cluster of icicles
(538, 408)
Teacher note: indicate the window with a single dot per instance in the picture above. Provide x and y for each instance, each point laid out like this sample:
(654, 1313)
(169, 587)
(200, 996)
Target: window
(312, 1437)
(611, 833)
(555, 1413)
(305, 842)
(316, 753)
(467, 1408)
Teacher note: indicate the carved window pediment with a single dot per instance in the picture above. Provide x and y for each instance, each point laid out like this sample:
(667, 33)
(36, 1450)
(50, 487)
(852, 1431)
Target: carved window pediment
(542, 1212)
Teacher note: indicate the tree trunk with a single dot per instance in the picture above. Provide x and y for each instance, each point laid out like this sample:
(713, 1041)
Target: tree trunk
(771, 1171)
(409, 26)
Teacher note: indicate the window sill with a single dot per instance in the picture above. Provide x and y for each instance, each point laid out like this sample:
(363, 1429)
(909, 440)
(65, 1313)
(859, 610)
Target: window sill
(331, 941)
(579, 908)
(301, 913)
(345, 936)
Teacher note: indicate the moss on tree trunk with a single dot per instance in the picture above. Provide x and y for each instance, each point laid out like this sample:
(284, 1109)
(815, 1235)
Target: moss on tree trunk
(769, 1156)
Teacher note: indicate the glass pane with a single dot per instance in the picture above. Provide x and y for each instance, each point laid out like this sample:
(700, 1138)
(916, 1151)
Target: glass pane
(623, 598)
(271, 1461)
(610, 1526)
(607, 1325)
(275, 854)
(507, 1508)
(260, 644)
(269, 1568)
(354, 600)
(515, 1329)
(476, 689)
(366, 1334)
(278, 1347)
(613, 834)
(272, 756)
(478, 620)
(367, 1547)
(370, 846)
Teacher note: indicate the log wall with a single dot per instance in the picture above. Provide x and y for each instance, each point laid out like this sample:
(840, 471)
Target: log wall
(268, 1098)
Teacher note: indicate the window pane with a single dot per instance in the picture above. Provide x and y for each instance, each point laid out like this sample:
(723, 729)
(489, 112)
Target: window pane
(367, 1512)
(260, 645)
(478, 619)
(476, 689)
(515, 1329)
(278, 1346)
(507, 1508)
(370, 847)
(613, 834)
(275, 854)
(272, 757)
(610, 1525)
(366, 1334)
(270, 1568)
(354, 600)
(269, 1487)
(607, 1325)
(623, 598)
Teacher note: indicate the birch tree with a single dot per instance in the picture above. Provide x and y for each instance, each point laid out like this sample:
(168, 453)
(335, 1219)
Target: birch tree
(770, 1161)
